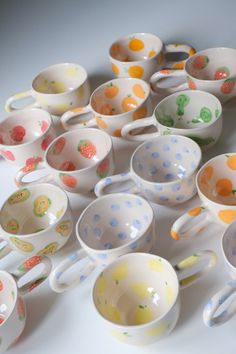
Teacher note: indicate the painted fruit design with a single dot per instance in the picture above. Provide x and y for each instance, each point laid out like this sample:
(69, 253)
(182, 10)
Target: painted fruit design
(111, 90)
(64, 228)
(22, 245)
(29, 263)
(49, 249)
(12, 226)
(18, 133)
(139, 91)
(221, 73)
(231, 161)
(33, 160)
(136, 44)
(46, 141)
(228, 86)
(227, 215)
(19, 197)
(136, 71)
(103, 168)
(59, 146)
(21, 309)
(43, 125)
(129, 103)
(8, 155)
(182, 101)
(224, 187)
(36, 283)
(143, 314)
(191, 84)
(166, 120)
(67, 166)
(115, 69)
(1, 285)
(41, 205)
(100, 122)
(205, 116)
(140, 112)
(87, 149)
(200, 62)
(67, 180)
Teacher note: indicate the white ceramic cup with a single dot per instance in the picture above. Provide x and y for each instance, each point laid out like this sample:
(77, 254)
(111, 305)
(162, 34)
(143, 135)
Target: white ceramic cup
(76, 161)
(216, 186)
(25, 135)
(113, 104)
(217, 302)
(162, 170)
(109, 227)
(12, 304)
(140, 55)
(195, 114)
(138, 295)
(56, 89)
(212, 70)
(36, 220)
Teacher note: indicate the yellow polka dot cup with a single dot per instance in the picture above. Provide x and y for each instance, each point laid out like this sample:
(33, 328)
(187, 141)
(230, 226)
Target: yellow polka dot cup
(216, 185)
(140, 55)
(56, 89)
(108, 228)
(138, 295)
(113, 104)
(36, 220)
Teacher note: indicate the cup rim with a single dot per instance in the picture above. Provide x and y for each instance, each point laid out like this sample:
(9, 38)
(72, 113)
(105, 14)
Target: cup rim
(97, 131)
(135, 61)
(51, 67)
(175, 180)
(225, 236)
(110, 196)
(22, 111)
(10, 277)
(139, 326)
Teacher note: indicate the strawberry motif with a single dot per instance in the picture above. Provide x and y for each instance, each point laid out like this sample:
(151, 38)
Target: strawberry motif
(29, 263)
(87, 149)
(200, 62)
(46, 141)
(8, 155)
(59, 145)
(103, 167)
(67, 166)
(221, 73)
(43, 125)
(1, 285)
(191, 84)
(21, 309)
(228, 86)
(33, 160)
(18, 133)
(2, 319)
(68, 180)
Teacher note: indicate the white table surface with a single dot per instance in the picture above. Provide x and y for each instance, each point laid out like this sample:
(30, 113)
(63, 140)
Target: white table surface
(35, 34)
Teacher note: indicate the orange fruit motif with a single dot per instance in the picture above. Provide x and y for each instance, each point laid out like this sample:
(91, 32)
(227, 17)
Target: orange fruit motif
(174, 235)
(115, 69)
(136, 71)
(117, 133)
(111, 90)
(227, 216)
(100, 122)
(77, 109)
(178, 65)
(191, 51)
(115, 49)
(138, 91)
(141, 112)
(160, 58)
(107, 109)
(165, 71)
(152, 53)
(206, 174)
(136, 44)
(195, 211)
(231, 162)
(224, 187)
(129, 103)
(68, 180)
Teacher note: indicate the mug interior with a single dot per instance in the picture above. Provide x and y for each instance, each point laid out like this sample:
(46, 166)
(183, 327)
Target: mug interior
(33, 209)
(212, 64)
(79, 149)
(136, 289)
(136, 47)
(59, 78)
(114, 221)
(229, 244)
(217, 179)
(188, 110)
(24, 126)
(166, 159)
(8, 295)
(119, 96)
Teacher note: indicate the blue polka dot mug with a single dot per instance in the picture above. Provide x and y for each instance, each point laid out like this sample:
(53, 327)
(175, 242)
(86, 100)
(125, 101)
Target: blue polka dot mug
(162, 170)
(109, 227)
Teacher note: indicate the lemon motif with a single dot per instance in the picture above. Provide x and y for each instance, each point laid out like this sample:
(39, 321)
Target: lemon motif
(143, 315)
(22, 245)
(20, 196)
(120, 272)
(64, 228)
(13, 226)
(49, 249)
(72, 71)
(169, 295)
(188, 262)
(157, 330)
(58, 86)
(111, 312)
(141, 290)
(122, 336)
(63, 107)
(156, 265)
(41, 205)
(59, 213)
(81, 92)
(101, 284)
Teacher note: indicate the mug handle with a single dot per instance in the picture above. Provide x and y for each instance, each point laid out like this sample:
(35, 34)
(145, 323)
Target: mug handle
(164, 74)
(24, 171)
(209, 318)
(76, 112)
(140, 123)
(178, 48)
(19, 96)
(193, 262)
(5, 248)
(100, 187)
(29, 264)
(198, 217)
(66, 264)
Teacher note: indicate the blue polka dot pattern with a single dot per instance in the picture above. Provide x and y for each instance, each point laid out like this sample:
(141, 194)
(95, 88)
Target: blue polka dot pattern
(153, 170)
(180, 197)
(113, 222)
(148, 145)
(178, 156)
(108, 246)
(166, 164)
(122, 235)
(137, 224)
(169, 177)
(155, 155)
(96, 217)
(158, 188)
(97, 231)
(163, 198)
(115, 207)
(174, 140)
(166, 147)
(108, 181)
(139, 201)
(128, 204)
(133, 245)
(176, 187)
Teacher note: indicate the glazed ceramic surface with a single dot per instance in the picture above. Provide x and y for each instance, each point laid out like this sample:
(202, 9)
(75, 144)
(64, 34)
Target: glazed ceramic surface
(139, 55)
(162, 170)
(109, 227)
(113, 104)
(56, 89)
(36, 219)
(25, 135)
(216, 184)
(195, 114)
(212, 70)
(76, 160)
(138, 295)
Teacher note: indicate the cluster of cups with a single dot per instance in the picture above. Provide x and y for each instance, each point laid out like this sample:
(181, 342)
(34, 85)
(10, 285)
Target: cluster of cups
(138, 293)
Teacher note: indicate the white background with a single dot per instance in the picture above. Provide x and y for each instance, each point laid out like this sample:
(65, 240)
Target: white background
(35, 34)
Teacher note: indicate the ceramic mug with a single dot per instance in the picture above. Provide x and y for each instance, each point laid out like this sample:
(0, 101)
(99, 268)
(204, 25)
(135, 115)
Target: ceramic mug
(25, 135)
(212, 70)
(113, 104)
(138, 295)
(228, 245)
(109, 227)
(36, 220)
(216, 185)
(12, 304)
(56, 89)
(195, 114)
(162, 170)
(140, 55)
(76, 160)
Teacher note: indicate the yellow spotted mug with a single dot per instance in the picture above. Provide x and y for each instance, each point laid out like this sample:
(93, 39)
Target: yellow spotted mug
(216, 185)
(56, 89)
